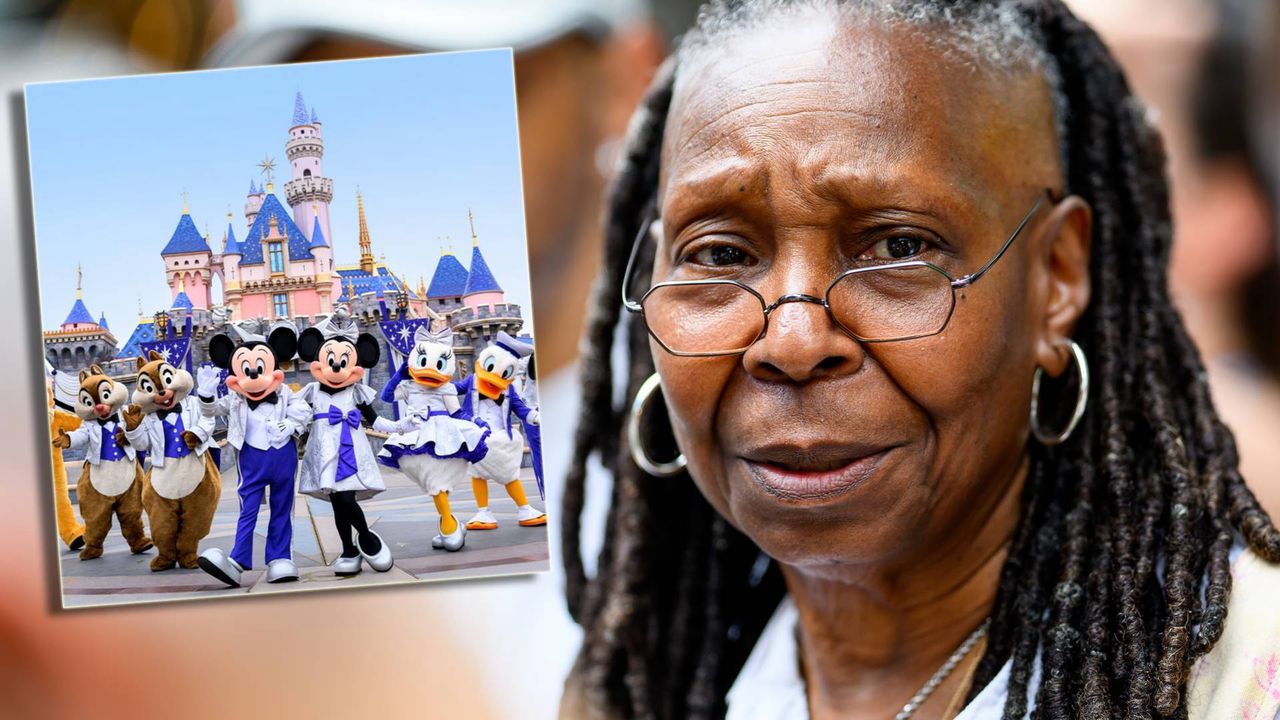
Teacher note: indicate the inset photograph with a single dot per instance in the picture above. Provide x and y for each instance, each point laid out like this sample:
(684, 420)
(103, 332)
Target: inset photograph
(287, 328)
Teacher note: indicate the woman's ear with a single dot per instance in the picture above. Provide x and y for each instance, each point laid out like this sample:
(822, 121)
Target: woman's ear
(367, 351)
(284, 344)
(221, 348)
(309, 343)
(1066, 265)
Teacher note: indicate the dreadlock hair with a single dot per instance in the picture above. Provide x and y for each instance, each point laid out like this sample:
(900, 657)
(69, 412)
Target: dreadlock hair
(1118, 572)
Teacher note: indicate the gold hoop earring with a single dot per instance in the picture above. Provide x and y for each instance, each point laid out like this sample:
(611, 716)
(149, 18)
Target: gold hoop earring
(638, 454)
(1082, 400)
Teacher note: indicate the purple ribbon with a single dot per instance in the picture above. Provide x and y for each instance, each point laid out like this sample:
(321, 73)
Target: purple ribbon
(346, 447)
(174, 446)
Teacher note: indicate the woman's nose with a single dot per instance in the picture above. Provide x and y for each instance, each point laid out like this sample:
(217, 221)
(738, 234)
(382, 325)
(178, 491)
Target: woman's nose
(802, 343)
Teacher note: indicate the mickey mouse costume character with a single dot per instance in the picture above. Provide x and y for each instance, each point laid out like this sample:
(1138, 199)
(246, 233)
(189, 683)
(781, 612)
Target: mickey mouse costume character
(111, 481)
(488, 397)
(182, 488)
(264, 417)
(435, 449)
(338, 462)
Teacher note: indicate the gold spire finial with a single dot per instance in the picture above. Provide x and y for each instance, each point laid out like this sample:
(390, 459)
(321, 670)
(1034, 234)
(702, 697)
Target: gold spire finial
(422, 287)
(141, 316)
(475, 241)
(78, 281)
(182, 285)
(185, 210)
(366, 243)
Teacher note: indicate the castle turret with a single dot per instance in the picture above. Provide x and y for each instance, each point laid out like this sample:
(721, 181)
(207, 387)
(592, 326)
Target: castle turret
(482, 288)
(231, 281)
(253, 202)
(309, 192)
(188, 261)
(326, 280)
(449, 282)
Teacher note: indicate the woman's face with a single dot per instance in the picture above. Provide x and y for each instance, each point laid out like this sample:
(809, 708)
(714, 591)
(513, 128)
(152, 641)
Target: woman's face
(789, 155)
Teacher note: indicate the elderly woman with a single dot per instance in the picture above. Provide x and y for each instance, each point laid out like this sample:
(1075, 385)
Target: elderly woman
(935, 443)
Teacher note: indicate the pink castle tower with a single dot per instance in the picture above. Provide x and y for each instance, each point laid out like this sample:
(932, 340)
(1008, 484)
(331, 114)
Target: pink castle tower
(309, 192)
(188, 262)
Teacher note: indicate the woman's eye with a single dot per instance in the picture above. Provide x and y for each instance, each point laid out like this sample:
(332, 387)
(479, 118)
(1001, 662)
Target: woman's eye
(898, 247)
(720, 256)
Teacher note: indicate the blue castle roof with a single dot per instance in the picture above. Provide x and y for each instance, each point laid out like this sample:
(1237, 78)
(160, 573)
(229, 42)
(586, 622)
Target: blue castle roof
(102, 322)
(185, 239)
(79, 314)
(233, 247)
(251, 247)
(145, 332)
(449, 280)
(182, 301)
(317, 235)
(300, 116)
(480, 279)
(253, 189)
(380, 283)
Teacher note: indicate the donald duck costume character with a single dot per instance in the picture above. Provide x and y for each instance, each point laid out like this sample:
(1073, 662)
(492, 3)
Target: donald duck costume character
(435, 449)
(489, 398)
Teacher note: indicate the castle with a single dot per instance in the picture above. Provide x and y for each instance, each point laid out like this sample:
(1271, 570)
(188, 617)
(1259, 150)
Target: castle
(278, 271)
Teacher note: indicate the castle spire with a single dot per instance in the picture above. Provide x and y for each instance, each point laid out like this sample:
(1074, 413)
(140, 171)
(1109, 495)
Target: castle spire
(185, 209)
(77, 281)
(366, 244)
(300, 115)
(475, 241)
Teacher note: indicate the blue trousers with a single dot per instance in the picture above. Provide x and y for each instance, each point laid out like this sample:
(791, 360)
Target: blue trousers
(261, 470)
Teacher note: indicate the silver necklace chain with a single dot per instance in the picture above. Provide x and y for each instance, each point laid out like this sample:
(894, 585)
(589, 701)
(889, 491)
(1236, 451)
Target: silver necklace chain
(923, 694)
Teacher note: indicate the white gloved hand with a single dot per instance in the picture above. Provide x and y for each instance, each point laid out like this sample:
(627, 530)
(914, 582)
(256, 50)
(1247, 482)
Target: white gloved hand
(534, 418)
(208, 378)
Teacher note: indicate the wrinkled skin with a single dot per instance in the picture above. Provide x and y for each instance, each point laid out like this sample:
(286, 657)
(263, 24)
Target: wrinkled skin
(789, 154)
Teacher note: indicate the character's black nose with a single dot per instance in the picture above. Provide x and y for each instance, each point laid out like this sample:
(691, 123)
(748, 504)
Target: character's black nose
(334, 366)
(253, 374)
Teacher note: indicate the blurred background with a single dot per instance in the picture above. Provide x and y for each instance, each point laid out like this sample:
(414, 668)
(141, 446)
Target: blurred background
(501, 648)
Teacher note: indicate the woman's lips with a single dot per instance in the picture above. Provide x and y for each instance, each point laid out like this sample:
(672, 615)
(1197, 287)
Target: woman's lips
(814, 472)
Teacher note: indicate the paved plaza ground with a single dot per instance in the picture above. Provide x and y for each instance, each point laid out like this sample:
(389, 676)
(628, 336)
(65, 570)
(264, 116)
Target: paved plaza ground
(403, 515)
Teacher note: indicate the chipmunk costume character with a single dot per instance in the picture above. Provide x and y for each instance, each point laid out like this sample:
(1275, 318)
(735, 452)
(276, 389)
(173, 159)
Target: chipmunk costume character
(338, 462)
(263, 419)
(111, 481)
(436, 448)
(183, 486)
(489, 398)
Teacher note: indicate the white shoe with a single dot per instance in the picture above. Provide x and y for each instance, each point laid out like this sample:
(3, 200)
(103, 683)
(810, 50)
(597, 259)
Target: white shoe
(281, 570)
(216, 563)
(452, 542)
(347, 565)
(529, 516)
(381, 561)
(483, 520)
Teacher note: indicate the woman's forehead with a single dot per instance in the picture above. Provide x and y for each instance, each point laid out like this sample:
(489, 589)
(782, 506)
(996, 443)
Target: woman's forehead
(857, 107)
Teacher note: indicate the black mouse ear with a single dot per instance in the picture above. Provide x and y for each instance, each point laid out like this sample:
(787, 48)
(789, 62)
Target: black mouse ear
(367, 351)
(221, 348)
(533, 369)
(284, 344)
(309, 343)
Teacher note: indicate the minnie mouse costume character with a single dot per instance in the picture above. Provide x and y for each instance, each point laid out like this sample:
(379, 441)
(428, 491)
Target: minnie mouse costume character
(489, 397)
(338, 462)
(435, 449)
(263, 419)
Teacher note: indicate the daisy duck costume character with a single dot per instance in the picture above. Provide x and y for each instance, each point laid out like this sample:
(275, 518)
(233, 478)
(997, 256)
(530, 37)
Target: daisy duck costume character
(489, 398)
(338, 462)
(435, 448)
(264, 418)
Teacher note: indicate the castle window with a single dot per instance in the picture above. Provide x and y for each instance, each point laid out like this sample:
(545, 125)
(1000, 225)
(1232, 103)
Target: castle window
(306, 173)
(281, 303)
(275, 252)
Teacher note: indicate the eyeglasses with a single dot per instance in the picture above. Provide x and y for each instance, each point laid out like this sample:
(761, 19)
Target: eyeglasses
(874, 304)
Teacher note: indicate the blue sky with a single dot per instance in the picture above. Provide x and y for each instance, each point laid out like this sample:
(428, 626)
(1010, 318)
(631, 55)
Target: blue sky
(423, 137)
